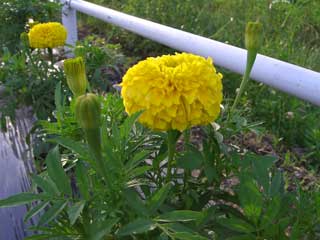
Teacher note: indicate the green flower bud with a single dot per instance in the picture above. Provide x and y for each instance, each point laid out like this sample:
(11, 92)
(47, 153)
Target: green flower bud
(75, 71)
(253, 36)
(88, 111)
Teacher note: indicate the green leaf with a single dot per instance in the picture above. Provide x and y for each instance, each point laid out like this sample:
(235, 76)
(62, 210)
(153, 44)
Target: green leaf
(76, 147)
(180, 216)
(140, 225)
(82, 180)
(34, 211)
(127, 125)
(75, 210)
(276, 183)
(271, 211)
(22, 198)
(236, 224)
(261, 166)
(46, 186)
(52, 212)
(158, 198)
(98, 230)
(134, 202)
(137, 159)
(187, 236)
(57, 96)
(190, 160)
(139, 171)
(56, 171)
(250, 198)
(39, 237)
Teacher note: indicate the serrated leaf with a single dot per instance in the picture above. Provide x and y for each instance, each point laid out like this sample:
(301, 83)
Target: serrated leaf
(56, 171)
(187, 236)
(52, 212)
(75, 210)
(35, 210)
(140, 225)
(271, 211)
(158, 198)
(250, 198)
(22, 198)
(180, 216)
(236, 224)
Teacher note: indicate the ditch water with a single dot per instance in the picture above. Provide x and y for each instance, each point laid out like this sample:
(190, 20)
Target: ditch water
(16, 163)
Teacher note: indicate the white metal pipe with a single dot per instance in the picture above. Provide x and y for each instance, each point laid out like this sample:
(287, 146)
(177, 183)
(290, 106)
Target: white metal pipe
(69, 20)
(295, 80)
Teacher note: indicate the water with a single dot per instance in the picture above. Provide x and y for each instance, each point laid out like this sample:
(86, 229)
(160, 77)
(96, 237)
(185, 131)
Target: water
(15, 165)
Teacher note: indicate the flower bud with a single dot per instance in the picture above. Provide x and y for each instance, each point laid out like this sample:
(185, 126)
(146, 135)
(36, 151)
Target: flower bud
(88, 112)
(253, 36)
(75, 71)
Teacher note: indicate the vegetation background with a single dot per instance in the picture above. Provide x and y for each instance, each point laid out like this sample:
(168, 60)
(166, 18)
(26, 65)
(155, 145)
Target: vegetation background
(291, 34)
(271, 200)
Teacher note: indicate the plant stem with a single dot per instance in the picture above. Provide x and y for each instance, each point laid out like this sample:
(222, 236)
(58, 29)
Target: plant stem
(171, 151)
(93, 137)
(50, 55)
(251, 57)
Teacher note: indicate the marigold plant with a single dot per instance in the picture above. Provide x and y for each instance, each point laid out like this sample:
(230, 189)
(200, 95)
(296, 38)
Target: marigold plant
(173, 91)
(47, 35)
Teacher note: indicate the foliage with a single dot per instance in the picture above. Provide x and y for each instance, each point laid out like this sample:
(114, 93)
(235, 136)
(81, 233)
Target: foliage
(15, 13)
(25, 76)
(292, 32)
(105, 62)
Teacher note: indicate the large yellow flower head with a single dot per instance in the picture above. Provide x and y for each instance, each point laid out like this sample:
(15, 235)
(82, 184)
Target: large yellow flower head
(47, 35)
(173, 91)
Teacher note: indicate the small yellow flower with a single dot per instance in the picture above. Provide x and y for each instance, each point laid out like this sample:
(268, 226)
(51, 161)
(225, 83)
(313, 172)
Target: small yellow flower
(174, 91)
(47, 35)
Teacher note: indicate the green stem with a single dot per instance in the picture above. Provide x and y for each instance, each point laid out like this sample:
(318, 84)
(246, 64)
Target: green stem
(50, 55)
(171, 151)
(94, 141)
(251, 57)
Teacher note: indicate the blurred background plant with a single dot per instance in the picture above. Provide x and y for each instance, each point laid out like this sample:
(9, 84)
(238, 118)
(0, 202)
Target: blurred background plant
(15, 14)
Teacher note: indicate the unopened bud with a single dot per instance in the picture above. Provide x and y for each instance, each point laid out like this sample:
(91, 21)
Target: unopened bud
(88, 111)
(75, 71)
(253, 36)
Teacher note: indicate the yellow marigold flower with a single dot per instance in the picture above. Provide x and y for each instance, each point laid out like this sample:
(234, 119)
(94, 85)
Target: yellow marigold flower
(47, 35)
(174, 91)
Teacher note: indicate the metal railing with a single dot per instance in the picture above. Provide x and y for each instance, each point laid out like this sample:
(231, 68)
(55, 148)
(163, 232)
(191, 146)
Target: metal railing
(289, 78)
